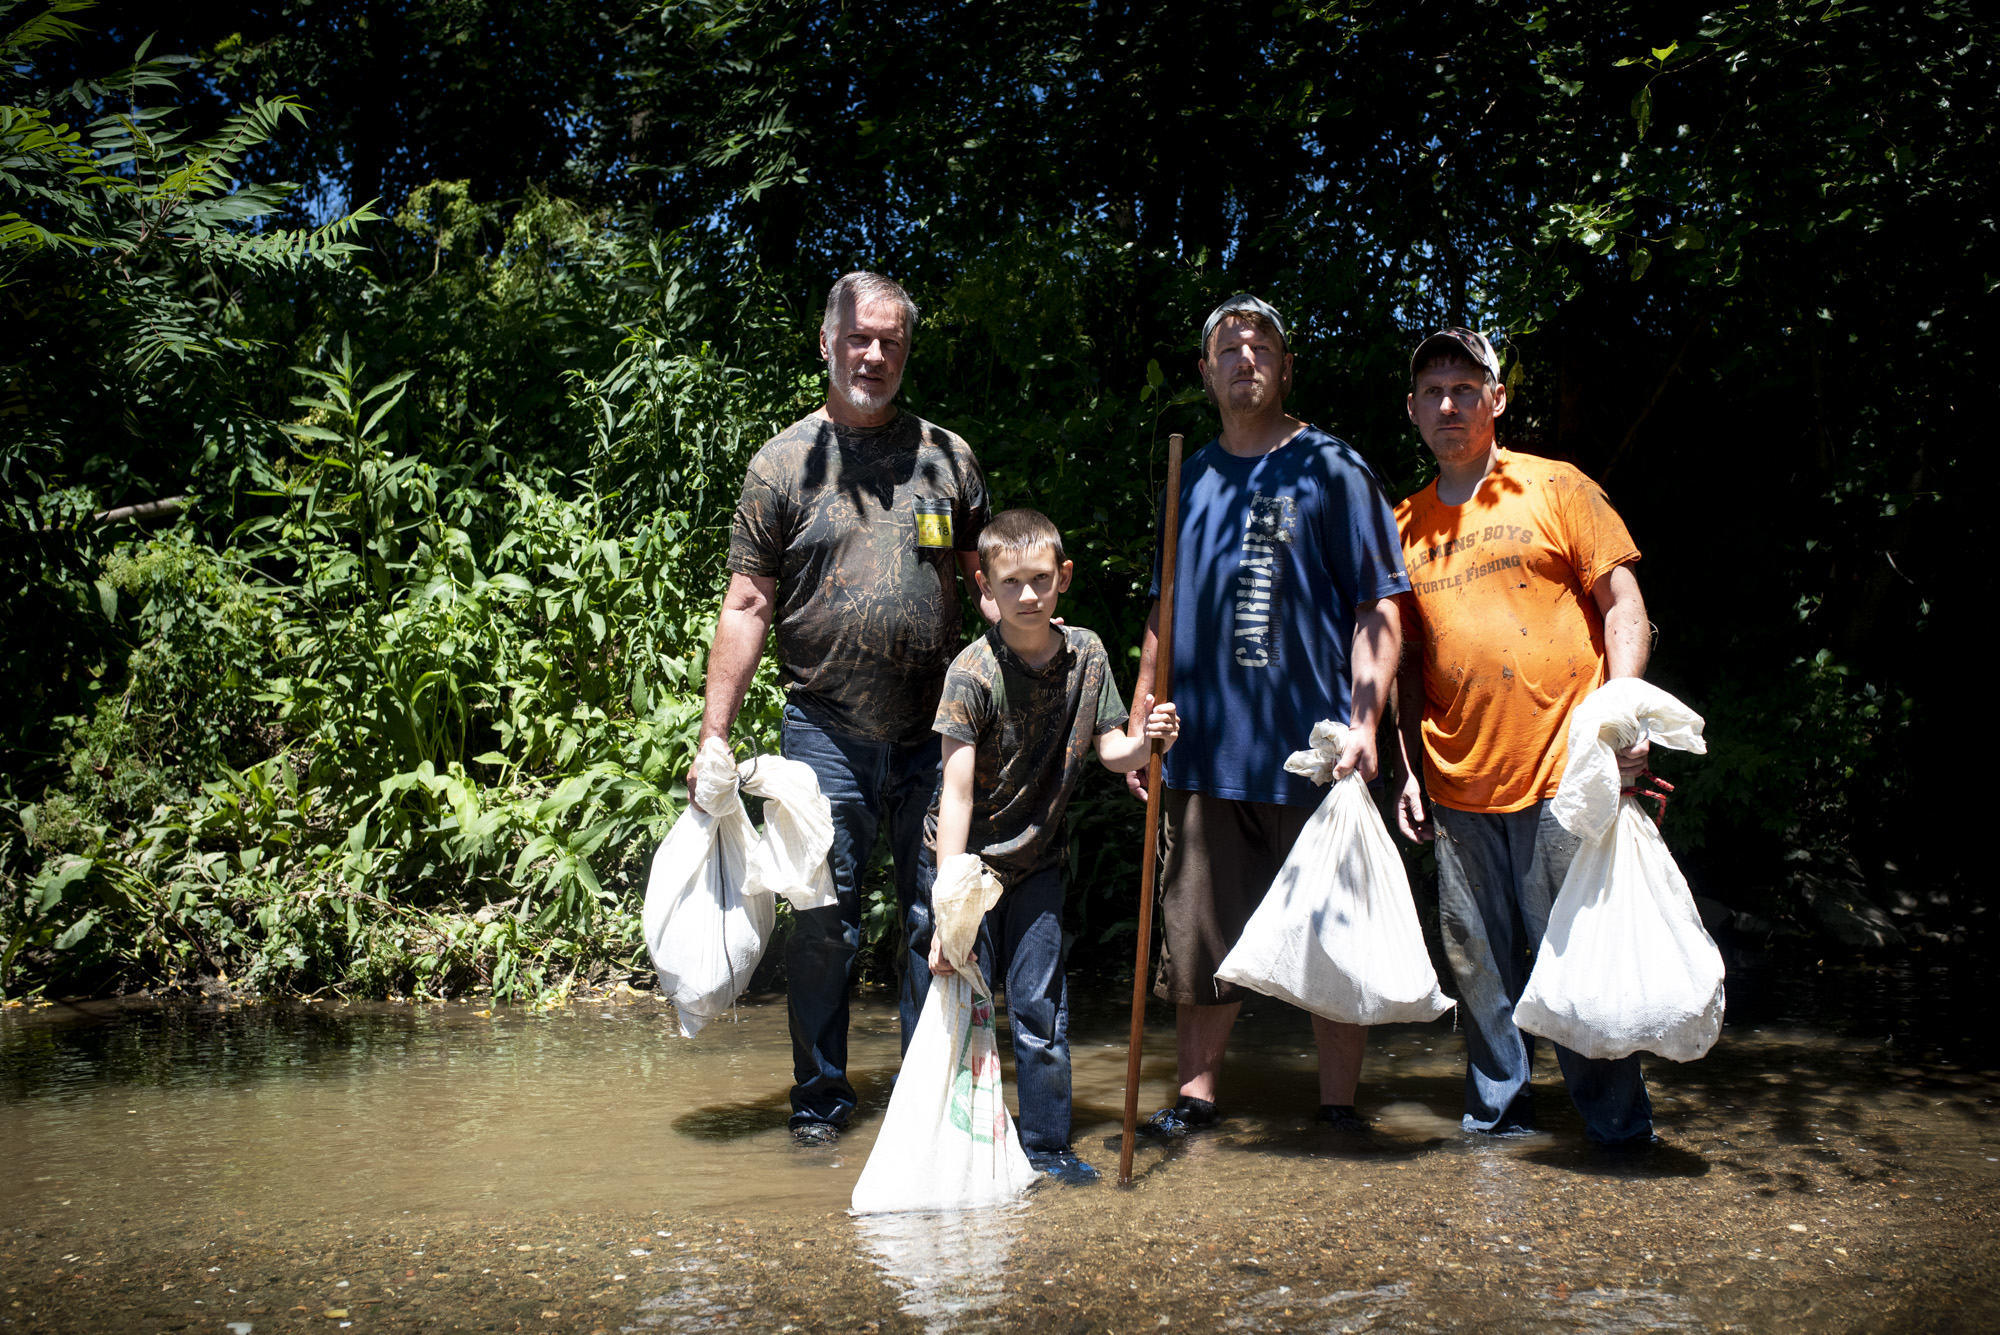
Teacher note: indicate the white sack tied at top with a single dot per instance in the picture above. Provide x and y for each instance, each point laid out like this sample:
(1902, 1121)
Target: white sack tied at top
(711, 896)
(947, 1141)
(1625, 965)
(1611, 719)
(1337, 933)
(962, 894)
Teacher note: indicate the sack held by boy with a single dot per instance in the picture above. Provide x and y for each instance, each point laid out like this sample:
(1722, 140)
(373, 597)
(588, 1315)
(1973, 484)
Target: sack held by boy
(1023, 707)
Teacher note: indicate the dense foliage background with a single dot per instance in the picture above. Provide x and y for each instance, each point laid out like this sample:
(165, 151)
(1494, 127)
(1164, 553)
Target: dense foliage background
(386, 682)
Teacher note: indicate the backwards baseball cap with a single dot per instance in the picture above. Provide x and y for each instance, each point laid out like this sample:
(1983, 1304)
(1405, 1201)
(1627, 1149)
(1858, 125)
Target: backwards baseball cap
(1459, 344)
(1245, 304)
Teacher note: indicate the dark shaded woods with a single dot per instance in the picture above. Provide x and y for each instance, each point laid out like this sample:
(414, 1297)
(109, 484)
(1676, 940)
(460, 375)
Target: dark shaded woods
(395, 700)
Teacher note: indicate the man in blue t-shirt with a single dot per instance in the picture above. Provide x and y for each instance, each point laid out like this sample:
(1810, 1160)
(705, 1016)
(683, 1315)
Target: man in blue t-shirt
(1284, 615)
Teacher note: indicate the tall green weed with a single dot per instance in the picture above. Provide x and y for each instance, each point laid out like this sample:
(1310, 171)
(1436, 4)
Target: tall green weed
(416, 729)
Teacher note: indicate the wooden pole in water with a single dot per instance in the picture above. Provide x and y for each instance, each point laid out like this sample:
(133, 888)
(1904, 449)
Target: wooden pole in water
(1163, 686)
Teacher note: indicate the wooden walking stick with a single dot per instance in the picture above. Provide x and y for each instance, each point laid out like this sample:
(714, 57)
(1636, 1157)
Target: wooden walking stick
(1163, 685)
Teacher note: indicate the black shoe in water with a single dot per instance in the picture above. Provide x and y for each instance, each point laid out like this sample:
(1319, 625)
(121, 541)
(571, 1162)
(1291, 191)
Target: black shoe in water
(1341, 1117)
(1064, 1167)
(815, 1135)
(1174, 1123)
(1509, 1131)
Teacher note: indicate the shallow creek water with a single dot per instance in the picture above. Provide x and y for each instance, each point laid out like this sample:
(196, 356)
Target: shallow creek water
(329, 1167)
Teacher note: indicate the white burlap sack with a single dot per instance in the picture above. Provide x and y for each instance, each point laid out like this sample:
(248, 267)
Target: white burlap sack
(1337, 933)
(790, 860)
(710, 897)
(947, 1141)
(1626, 965)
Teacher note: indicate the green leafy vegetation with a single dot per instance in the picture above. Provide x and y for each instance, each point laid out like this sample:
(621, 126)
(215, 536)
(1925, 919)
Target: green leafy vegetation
(362, 537)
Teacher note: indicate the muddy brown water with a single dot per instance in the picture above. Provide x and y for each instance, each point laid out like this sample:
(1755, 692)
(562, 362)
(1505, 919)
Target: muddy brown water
(290, 1167)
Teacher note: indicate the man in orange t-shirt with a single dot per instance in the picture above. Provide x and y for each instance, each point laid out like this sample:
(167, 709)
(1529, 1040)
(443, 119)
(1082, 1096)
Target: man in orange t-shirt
(1524, 602)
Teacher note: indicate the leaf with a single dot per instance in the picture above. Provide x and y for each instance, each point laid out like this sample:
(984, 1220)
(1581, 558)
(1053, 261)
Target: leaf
(1686, 237)
(1642, 259)
(394, 382)
(49, 888)
(76, 931)
(49, 26)
(1642, 108)
(385, 409)
(567, 794)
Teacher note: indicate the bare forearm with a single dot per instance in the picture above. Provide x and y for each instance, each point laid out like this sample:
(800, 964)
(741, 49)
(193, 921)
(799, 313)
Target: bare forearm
(1628, 640)
(954, 825)
(954, 828)
(1149, 653)
(732, 664)
(1411, 698)
(1378, 647)
(1628, 635)
(1410, 709)
(740, 631)
(1122, 752)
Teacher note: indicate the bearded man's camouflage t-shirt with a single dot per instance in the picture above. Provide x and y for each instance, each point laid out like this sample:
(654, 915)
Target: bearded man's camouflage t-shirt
(860, 527)
(1032, 732)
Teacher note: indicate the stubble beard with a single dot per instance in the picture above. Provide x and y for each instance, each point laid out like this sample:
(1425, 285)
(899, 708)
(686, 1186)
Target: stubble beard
(860, 398)
(1253, 397)
(1461, 447)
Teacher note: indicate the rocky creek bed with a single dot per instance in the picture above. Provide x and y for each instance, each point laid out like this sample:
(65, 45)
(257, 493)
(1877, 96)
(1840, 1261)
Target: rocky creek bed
(301, 1166)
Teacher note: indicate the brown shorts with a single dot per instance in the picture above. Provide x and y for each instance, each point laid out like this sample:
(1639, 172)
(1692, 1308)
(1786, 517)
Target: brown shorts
(1221, 857)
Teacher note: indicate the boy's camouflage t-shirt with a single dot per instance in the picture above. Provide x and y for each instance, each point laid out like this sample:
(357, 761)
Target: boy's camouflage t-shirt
(860, 528)
(1032, 733)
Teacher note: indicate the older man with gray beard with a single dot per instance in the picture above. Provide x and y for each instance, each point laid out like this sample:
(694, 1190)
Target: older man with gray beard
(854, 525)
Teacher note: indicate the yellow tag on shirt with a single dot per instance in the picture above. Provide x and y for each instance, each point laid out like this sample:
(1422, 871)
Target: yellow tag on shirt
(933, 523)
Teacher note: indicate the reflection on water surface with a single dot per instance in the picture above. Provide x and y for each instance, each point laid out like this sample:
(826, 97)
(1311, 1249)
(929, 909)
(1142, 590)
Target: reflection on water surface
(948, 1269)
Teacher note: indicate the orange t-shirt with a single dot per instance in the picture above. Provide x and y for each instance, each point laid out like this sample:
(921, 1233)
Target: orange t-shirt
(1512, 637)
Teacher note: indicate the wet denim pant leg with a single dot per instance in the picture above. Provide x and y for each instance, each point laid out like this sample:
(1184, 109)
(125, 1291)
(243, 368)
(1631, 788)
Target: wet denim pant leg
(1498, 874)
(1021, 941)
(867, 783)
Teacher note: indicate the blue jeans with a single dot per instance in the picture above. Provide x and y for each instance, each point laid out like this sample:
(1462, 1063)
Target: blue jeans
(1022, 942)
(1498, 874)
(866, 783)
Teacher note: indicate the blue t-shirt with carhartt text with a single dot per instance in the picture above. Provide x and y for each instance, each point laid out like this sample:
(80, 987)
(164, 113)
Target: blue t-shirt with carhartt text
(1275, 552)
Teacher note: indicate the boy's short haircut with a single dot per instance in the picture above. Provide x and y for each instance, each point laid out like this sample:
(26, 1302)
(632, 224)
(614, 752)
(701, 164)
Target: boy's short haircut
(1013, 531)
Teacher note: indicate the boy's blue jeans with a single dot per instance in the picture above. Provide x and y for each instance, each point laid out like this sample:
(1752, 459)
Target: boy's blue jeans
(1022, 942)
(1498, 874)
(867, 783)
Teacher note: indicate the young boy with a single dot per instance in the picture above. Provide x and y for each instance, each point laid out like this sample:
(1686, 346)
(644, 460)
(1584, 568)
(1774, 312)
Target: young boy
(1022, 708)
